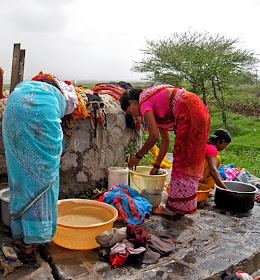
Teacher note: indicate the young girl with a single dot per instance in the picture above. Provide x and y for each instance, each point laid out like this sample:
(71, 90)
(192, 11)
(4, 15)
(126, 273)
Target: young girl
(218, 141)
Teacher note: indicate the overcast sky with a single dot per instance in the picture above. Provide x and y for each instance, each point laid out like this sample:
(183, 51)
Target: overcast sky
(100, 39)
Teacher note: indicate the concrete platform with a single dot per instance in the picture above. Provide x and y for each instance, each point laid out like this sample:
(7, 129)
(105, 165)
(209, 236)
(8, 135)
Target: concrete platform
(207, 243)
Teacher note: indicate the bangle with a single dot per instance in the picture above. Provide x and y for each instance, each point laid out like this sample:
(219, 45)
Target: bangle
(138, 156)
(156, 166)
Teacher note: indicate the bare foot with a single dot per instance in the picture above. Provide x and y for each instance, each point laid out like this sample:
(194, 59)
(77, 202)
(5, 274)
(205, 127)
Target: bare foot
(25, 248)
(163, 211)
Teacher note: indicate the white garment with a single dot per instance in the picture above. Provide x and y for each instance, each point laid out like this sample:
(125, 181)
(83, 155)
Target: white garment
(69, 95)
(124, 246)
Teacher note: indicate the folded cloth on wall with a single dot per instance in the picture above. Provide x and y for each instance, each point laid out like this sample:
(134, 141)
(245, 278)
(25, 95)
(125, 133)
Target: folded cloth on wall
(132, 207)
(111, 89)
(69, 95)
(122, 84)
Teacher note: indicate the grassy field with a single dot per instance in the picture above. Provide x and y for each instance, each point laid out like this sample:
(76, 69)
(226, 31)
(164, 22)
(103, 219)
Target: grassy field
(244, 150)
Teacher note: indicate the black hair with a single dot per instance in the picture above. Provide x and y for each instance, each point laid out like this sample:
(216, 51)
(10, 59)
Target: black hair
(132, 94)
(219, 135)
(50, 81)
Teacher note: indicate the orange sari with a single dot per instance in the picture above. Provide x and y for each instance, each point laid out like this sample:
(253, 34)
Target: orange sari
(191, 126)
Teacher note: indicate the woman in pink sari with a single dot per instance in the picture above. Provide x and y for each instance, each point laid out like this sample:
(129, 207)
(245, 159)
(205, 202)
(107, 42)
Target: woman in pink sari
(166, 108)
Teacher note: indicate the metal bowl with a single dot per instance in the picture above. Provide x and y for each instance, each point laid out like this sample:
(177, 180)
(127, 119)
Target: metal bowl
(239, 197)
(4, 200)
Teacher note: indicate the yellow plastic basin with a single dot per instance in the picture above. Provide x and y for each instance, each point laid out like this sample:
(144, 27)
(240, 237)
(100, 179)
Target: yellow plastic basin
(202, 193)
(80, 221)
(142, 181)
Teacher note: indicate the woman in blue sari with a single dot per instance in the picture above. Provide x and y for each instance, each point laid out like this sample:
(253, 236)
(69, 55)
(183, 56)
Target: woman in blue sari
(32, 137)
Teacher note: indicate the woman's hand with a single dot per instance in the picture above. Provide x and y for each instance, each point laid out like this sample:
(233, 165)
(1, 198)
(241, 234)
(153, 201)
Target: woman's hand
(133, 162)
(154, 171)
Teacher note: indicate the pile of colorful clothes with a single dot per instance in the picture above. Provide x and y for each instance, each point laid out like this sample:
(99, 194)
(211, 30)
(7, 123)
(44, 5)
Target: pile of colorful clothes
(229, 172)
(239, 275)
(134, 244)
(131, 206)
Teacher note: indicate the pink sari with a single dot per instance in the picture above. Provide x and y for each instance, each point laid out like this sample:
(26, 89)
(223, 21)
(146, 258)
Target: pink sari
(191, 126)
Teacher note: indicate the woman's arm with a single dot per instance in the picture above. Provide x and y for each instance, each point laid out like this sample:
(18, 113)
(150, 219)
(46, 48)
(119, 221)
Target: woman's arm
(163, 149)
(212, 161)
(150, 141)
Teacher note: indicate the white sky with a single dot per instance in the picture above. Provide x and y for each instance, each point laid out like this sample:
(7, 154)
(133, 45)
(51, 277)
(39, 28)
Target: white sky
(100, 39)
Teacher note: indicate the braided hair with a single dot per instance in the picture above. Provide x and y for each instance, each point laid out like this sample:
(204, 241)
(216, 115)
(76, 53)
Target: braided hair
(132, 94)
(219, 135)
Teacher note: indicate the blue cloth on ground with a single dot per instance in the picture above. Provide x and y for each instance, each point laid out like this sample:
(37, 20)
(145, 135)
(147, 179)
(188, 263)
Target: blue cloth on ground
(222, 173)
(132, 207)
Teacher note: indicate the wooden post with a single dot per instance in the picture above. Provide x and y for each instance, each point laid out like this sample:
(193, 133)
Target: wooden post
(17, 67)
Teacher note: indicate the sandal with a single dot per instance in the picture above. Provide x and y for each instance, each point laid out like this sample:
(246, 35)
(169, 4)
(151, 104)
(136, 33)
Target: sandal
(25, 248)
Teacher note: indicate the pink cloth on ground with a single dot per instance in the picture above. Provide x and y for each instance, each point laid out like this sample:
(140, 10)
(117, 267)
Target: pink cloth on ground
(231, 173)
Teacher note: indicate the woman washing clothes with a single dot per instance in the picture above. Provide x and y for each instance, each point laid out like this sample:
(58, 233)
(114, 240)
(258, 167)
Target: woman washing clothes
(32, 138)
(165, 108)
(217, 142)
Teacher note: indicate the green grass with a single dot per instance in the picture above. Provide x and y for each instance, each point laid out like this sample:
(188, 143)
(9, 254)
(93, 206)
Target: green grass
(244, 150)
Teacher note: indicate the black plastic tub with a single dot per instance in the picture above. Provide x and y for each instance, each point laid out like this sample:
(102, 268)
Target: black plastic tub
(239, 197)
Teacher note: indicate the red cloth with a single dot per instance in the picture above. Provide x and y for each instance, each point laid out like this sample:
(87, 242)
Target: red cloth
(113, 90)
(118, 260)
(137, 235)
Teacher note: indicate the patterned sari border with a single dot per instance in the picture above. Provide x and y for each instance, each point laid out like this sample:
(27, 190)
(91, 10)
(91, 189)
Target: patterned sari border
(182, 199)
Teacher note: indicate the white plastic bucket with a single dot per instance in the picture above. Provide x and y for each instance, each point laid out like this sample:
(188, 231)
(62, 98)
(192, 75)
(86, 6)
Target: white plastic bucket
(117, 175)
(5, 213)
(142, 181)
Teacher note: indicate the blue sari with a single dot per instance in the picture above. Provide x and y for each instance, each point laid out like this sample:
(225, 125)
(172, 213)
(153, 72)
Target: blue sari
(32, 137)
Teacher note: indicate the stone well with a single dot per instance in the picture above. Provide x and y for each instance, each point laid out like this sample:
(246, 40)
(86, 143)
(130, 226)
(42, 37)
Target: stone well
(86, 159)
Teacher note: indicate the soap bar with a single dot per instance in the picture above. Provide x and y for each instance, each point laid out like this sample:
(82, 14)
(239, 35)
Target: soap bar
(9, 253)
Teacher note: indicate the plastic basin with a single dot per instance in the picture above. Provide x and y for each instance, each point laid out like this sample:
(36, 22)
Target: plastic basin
(80, 221)
(142, 181)
(203, 192)
(239, 197)
(5, 213)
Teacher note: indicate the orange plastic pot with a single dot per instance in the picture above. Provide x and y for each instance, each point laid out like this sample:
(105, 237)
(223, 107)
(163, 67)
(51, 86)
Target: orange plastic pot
(80, 221)
(202, 193)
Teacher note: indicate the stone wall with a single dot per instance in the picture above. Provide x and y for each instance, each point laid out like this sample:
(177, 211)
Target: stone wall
(86, 159)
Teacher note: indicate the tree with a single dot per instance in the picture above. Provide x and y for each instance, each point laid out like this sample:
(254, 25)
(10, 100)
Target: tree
(208, 63)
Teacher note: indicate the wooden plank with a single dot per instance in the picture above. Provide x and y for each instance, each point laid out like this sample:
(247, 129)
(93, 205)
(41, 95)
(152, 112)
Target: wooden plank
(22, 60)
(15, 67)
